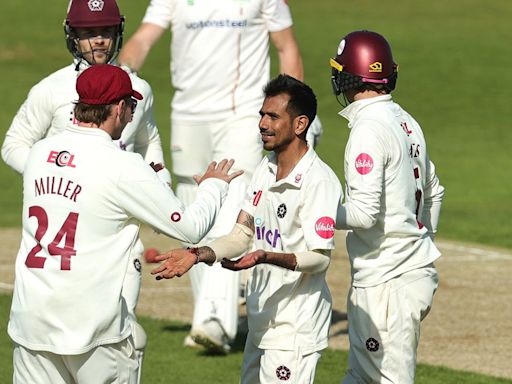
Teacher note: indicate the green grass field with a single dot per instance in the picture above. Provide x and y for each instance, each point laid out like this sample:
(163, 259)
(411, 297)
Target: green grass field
(454, 61)
(167, 362)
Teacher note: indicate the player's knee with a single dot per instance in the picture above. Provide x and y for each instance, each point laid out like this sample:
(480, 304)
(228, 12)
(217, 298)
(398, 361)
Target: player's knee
(139, 336)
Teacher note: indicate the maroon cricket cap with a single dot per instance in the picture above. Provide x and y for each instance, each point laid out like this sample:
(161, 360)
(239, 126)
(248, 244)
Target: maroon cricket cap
(93, 13)
(104, 84)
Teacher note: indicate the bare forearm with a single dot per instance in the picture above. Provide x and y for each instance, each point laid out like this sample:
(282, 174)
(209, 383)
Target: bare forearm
(290, 60)
(137, 48)
(291, 63)
(284, 260)
(134, 54)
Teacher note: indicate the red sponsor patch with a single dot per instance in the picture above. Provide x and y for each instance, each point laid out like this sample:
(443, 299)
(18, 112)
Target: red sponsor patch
(176, 216)
(324, 227)
(364, 163)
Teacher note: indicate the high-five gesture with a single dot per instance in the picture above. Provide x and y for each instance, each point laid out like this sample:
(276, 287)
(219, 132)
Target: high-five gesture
(219, 171)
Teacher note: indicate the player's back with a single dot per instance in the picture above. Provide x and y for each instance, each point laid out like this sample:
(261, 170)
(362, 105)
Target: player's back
(76, 238)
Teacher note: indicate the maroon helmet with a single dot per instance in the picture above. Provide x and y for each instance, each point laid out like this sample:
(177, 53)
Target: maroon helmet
(363, 57)
(93, 14)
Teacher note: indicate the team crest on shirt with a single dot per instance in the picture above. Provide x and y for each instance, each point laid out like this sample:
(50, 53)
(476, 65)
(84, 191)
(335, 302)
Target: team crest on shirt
(281, 211)
(137, 265)
(283, 373)
(364, 163)
(96, 5)
(372, 345)
(324, 227)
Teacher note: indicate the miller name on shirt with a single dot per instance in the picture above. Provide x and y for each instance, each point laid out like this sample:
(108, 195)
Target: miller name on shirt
(52, 185)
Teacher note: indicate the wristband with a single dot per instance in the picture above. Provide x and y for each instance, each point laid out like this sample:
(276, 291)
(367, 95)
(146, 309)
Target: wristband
(194, 251)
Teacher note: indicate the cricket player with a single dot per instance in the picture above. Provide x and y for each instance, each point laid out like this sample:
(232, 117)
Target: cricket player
(288, 218)
(94, 32)
(391, 212)
(83, 201)
(219, 65)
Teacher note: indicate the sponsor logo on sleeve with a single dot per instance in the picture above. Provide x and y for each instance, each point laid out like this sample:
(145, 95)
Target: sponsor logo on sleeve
(364, 163)
(175, 217)
(324, 227)
(61, 159)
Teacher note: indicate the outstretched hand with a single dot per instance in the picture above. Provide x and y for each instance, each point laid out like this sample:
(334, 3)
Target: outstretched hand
(219, 171)
(245, 262)
(177, 263)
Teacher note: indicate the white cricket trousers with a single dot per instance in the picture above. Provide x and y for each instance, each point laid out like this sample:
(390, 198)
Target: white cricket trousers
(384, 327)
(266, 366)
(194, 145)
(110, 363)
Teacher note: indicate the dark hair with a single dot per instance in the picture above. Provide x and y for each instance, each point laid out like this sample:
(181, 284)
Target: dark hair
(89, 113)
(302, 98)
(96, 114)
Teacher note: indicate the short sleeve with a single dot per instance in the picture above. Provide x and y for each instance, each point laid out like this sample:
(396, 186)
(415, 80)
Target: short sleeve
(277, 15)
(318, 213)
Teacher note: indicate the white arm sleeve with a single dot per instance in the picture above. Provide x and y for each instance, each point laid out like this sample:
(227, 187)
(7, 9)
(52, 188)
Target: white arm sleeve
(233, 244)
(147, 141)
(30, 125)
(147, 199)
(434, 193)
(313, 261)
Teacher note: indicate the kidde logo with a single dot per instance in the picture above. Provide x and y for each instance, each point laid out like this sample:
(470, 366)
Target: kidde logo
(324, 227)
(62, 159)
(364, 163)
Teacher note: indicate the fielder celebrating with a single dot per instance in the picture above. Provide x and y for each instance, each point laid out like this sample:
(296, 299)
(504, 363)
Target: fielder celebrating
(220, 63)
(289, 210)
(391, 210)
(94, 31)
(83, 199)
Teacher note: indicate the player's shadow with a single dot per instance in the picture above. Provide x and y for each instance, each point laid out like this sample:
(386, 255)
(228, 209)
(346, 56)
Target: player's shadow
(176, 328)
(339, 317)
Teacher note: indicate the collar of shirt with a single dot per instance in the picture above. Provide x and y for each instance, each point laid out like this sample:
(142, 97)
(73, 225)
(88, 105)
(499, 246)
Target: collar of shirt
(352, 110)
(296, 176)
(100, 133)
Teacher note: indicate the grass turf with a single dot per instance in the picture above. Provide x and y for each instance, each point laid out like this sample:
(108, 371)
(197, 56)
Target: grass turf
(167, 361)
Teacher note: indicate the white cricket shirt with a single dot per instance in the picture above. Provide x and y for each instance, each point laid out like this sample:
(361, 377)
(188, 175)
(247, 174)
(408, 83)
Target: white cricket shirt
(219, 53)
(48, 109)
(83, 200)
(393, 195)
(288, 309)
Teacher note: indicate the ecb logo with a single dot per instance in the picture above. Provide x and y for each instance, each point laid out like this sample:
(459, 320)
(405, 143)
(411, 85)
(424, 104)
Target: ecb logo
(61, 159)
